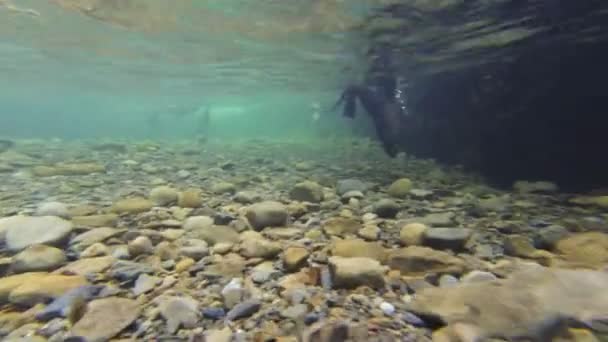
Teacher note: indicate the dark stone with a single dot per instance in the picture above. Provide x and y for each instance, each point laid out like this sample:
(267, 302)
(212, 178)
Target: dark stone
(311, 318)
(546, 238)
(386, 208)
(223, 219)
(214, 313)
(412, 319)
(244, 309)
(124, 270)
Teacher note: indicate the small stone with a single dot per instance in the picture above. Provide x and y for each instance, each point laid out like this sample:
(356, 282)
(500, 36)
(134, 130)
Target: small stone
(244, 309)
(195, 249)
(133, 205)
(38, 258)
(184, 265)
(183, 174)
(371, 233)
(88, 266)
(260, 248)
(267, 214)
(95, 250)
(163, 195)
(444, 219)
(416, 260)
(447, 280)
(400, 188)
(53, 209)
(307, 192)
(223, 188)
(351, 248)
(140, 245)
(478, 276)
(295, 258)
(387, 308)
(145, 283)
(179, 311)
(233, 293)
(519, 245)
(222, 247)
(345, 185)
(412, 234)
(214, 313)
(386, 208)
(190, 198)
(353, 272)
(123, 270)
(247, 197)
(341, 226)
(447, 238)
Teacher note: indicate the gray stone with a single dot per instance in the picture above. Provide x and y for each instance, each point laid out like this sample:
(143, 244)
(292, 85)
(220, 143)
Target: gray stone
(179, 311)
(23, 231)
(145, 283)
(447, 238)
(123, 270)
(53, 209)
(244, 309)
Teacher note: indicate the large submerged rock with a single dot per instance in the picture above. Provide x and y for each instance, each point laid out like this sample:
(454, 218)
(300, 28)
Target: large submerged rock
(524, 305)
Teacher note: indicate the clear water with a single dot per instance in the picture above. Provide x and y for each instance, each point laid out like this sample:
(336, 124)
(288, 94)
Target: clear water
(94, 68)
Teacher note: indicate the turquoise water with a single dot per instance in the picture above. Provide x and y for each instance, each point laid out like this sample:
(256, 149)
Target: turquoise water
(89, 68)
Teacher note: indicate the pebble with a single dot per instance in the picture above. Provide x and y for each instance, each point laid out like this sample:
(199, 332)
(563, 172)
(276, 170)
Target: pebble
(244, 309)
(53, 209)
(387, 308)
(214, 313)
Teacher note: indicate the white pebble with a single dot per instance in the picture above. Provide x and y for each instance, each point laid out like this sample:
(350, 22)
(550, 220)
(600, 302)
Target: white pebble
(387, 308)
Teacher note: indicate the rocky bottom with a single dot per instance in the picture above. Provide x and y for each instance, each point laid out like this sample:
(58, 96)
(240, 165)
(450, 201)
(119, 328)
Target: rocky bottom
(263, 240)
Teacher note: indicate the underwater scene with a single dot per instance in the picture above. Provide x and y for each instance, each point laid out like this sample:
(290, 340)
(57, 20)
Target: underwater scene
(303, 170)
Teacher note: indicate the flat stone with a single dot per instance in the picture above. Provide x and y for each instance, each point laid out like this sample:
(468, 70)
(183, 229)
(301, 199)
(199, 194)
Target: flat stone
(101, 220)
(38, 258)
(145, 283)
(260, 248)
(217, 234)
(357, 248)
(86, 239)
(8, 284)
(415, 260)
(520, 306)
(346, 185)
(447, 238)
(179, 311)
(88, 266)
(24, 231)
(106, 318)
(354, 272)
(128, 270)
(49, 287)
(132, 205)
